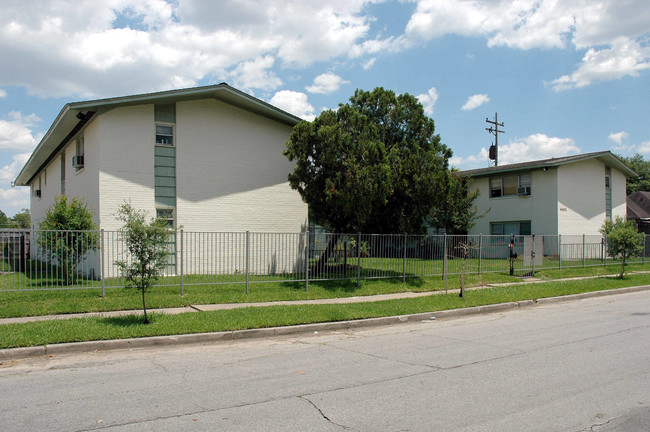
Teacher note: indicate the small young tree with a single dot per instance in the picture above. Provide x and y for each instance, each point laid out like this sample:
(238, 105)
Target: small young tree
(147, 243)
(68, 234)
(623, 240)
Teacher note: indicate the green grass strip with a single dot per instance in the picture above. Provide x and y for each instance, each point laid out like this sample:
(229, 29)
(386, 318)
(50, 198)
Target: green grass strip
(37, 303)
(98, 328)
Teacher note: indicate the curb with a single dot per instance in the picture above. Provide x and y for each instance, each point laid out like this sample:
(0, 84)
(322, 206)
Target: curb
(235, 335)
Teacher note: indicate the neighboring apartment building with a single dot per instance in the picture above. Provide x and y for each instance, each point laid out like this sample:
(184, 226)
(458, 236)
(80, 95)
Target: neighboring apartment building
(571, 195)
(206, 158)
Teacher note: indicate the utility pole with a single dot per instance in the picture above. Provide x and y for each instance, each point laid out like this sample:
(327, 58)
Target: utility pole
(494, 149)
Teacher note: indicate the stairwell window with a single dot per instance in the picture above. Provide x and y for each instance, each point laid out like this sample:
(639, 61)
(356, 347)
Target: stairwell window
(164, 134)
(165, 117)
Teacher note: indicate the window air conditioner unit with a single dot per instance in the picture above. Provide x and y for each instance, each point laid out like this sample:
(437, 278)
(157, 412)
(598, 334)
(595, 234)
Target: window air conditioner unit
(525, 190)
(37, 193)
(78, 161)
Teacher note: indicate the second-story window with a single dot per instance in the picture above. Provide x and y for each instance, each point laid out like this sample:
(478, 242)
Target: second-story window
(509, 185)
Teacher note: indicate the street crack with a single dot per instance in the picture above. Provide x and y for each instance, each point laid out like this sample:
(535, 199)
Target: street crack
(320, 411)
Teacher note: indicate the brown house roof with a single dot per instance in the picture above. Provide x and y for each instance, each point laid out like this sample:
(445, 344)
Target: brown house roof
(638, 205)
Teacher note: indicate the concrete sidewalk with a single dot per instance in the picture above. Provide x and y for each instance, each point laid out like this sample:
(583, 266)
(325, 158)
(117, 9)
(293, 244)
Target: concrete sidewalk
(338, 300)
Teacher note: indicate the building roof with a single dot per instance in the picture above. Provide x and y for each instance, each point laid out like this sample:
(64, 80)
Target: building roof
(74, 116)
(604, 156)
(638, 205)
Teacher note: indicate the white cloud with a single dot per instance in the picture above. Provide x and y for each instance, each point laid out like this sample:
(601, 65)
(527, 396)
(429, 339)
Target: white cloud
(16, 133)
(644, 148)
(618, 137)
(524, 24)
(479, 160)
(611, 31)
(625, 58)
(60, 48)
(294, 102)
(475, 101)
(9, 172)
(326, 83)
(13, 199)
(256, 74)
(533, 147)
(369, 64)
(530, 24)
(3, 93)
(428, 100)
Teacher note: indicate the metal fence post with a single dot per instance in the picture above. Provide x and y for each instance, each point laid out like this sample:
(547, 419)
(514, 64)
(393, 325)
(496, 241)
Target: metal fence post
(532, 255)
(182, 274)
(480, 250)
(247, 257)
(605, 241)
(644, 239)
(404, 261)
(358, 259)
(583, 250)
(101, 261)
(559, 251)
(444, 262)
(306, 260)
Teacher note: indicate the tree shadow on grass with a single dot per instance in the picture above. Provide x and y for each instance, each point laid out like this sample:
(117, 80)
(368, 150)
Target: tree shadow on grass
(127, 320)
(349, 286)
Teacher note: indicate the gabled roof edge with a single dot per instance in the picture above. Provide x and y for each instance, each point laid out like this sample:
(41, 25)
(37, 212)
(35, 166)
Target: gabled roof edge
(66, 119)
(608, 156)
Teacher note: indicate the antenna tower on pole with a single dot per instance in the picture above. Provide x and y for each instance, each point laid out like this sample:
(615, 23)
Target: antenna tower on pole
(494, 148)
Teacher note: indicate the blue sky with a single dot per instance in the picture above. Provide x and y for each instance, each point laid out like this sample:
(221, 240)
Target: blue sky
(565, 77)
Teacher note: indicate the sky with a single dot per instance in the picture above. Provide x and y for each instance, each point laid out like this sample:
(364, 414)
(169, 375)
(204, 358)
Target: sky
(564, 76)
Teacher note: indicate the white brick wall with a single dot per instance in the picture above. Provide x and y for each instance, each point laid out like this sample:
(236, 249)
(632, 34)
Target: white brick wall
(582, 194)
(126, 171)
(231, 174)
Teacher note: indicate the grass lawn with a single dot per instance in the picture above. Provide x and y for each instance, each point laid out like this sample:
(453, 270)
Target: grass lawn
(97, 328)
(34, 303)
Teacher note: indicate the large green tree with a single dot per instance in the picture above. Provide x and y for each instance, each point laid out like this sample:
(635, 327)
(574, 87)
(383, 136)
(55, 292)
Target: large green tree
(642, 167)
(456, 213)
(22, 219)
(4, 220)
(374, 165)
(19, 220)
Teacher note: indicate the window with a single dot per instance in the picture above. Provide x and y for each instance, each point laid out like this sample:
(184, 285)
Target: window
(164, 134)
(165, 118)
(36, 188)
(78, 159)
(507, 228)
(63, 172)
(167, 214)
(509, 185)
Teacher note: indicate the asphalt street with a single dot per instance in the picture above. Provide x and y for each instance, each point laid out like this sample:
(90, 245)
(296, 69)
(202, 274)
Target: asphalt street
(574, 366)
